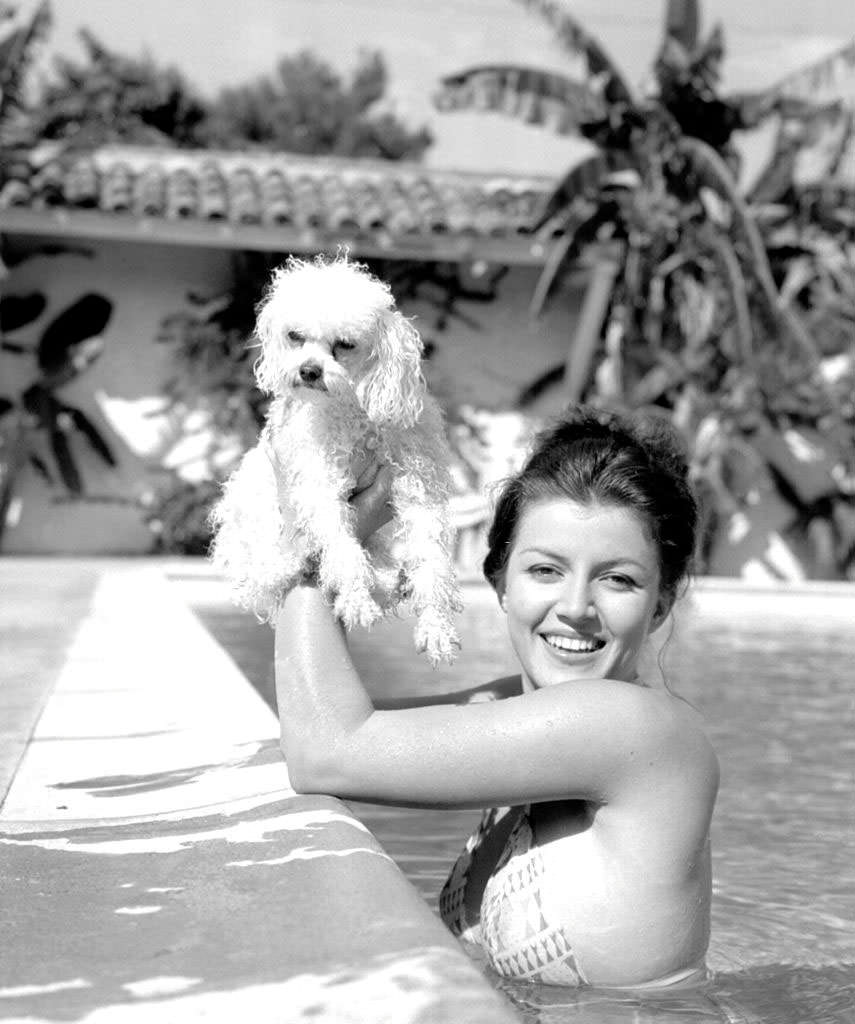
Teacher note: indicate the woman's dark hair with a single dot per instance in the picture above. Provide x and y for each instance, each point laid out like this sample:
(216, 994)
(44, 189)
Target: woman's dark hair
(592, 456)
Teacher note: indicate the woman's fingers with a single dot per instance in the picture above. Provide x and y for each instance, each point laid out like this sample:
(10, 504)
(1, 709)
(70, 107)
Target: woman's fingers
(366, 476)
(371, 501)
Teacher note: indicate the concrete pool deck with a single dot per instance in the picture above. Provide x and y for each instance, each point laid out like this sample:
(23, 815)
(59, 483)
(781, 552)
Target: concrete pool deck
(154, 861)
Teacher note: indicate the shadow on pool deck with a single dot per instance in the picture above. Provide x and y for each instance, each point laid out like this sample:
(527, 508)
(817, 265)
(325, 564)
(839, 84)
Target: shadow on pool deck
(153, 857)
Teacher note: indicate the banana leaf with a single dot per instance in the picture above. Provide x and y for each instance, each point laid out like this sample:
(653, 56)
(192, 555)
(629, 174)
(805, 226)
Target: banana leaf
(554, 262)
(579, 227)
(83, 320)
(88, 429)
(41, 468)
(712, 172)
(65, 460)
(682, 22)
(592, 315)
(659, 379)
(578, 40)
(585, 177)
(40, 403)
(729, 266)
(531, 392)
(16, 311)
(528, 94)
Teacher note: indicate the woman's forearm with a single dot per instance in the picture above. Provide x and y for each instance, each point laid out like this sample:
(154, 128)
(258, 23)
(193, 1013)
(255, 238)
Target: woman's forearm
(321, 699)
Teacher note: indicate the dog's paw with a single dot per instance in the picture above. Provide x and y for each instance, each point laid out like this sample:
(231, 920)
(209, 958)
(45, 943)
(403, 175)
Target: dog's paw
(435, 637)
(357, 608)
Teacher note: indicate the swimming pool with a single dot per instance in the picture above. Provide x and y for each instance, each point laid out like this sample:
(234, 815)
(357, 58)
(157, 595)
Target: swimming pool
(773, 673)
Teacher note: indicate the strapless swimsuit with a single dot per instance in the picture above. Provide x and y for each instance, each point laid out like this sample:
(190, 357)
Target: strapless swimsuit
(515, 931)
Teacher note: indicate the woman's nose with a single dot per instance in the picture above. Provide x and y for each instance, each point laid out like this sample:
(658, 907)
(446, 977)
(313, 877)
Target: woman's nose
(576, 602)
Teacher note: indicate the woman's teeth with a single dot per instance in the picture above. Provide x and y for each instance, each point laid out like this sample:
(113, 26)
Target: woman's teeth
(578, 646)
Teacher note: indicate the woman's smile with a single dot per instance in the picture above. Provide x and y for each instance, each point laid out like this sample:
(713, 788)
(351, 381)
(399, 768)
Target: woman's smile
(581, 592)
(573, 644)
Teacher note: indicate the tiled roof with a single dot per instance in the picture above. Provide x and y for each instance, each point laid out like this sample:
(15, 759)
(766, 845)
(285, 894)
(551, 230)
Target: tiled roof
(277, 198)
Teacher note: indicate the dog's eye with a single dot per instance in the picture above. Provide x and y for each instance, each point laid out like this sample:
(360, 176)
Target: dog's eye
(342, 345)
(297, 336)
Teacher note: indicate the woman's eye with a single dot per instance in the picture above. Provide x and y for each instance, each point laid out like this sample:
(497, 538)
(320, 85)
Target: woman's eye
(296, 336)
(543, 572)
(620, 581)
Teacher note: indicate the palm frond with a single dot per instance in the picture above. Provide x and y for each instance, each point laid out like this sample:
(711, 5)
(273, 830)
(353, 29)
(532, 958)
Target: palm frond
(577, 40)
(528, 94)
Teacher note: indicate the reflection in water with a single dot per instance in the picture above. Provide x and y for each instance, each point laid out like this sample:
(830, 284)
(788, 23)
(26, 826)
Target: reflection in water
(774, 682)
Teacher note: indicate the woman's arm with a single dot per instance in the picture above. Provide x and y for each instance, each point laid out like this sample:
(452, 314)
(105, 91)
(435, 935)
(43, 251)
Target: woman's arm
(590, 739)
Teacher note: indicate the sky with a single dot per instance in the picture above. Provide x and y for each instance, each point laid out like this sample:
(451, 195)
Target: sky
(216, 43)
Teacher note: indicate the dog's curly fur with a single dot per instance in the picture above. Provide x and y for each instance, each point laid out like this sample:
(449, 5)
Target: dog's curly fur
(344, 369)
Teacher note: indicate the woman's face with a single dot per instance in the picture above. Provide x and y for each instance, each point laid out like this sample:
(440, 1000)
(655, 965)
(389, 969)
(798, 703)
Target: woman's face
(581, 592)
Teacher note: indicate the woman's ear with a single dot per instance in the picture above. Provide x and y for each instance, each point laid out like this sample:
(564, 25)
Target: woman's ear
(662, 611)
(393, 388)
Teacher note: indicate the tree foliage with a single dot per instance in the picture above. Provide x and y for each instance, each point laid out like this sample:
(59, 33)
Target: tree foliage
(305, 106)
(105, 96)
(108, 97)
(19, 42)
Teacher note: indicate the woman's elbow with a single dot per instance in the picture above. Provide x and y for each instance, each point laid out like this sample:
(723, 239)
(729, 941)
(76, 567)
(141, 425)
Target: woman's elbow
(308, 772)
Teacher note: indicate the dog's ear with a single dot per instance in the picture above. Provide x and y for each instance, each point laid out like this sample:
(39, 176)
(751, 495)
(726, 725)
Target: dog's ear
(270, 365)
(393, 387)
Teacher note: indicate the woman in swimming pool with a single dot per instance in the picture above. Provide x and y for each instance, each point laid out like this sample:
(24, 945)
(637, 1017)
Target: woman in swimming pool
(591, 862)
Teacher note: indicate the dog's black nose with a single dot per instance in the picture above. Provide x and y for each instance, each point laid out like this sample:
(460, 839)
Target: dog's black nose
(310, 373)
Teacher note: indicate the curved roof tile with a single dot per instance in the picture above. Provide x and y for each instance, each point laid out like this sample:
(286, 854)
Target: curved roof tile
(321, 194)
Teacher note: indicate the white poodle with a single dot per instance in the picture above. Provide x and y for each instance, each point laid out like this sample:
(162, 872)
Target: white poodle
(344, 369)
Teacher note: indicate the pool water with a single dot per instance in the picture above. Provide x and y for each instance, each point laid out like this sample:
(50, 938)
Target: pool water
(773, 674)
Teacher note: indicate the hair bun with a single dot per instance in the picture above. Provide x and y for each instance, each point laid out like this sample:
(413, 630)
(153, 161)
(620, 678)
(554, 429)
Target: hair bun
(650, 430)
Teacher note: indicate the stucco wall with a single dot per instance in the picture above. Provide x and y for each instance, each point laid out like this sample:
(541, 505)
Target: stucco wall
(483, 357)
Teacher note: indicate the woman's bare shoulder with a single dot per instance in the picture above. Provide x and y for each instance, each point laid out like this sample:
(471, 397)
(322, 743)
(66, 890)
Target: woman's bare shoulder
(690, 750)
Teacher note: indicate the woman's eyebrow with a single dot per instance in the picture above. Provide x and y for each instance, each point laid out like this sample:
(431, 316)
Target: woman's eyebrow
(607, 564)
(536, 550)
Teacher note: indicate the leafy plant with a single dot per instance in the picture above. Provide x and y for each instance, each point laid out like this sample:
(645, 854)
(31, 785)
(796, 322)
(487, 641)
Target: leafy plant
(691, 306)
(177, 515)
(69, 345)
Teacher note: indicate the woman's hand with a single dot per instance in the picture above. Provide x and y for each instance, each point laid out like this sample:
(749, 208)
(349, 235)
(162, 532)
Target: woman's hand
(371, 500)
